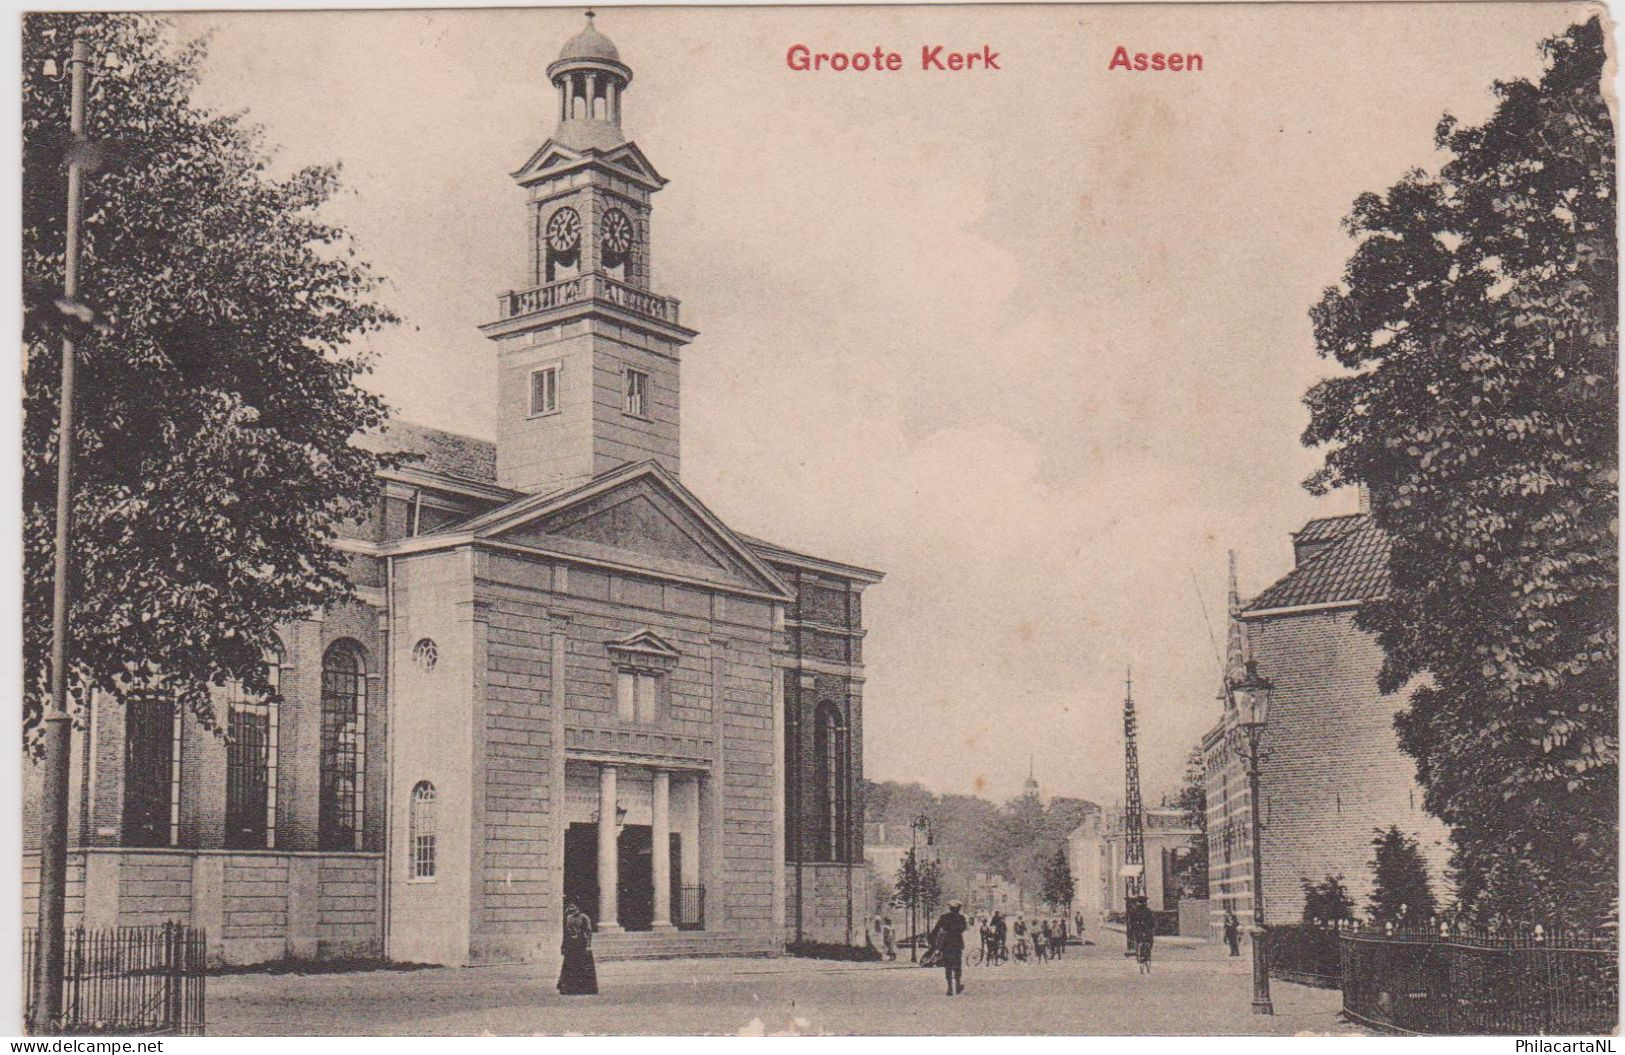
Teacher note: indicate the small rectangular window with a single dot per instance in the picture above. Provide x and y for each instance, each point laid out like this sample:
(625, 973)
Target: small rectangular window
(637, 695)
(625, 695)
(637, 393)
(544, 390)
(648, 689)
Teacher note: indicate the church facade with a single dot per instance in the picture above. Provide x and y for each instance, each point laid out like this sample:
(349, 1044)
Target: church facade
(563, 679)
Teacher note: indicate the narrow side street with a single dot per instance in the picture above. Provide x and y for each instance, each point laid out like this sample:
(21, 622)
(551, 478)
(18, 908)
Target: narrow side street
(1094, 990)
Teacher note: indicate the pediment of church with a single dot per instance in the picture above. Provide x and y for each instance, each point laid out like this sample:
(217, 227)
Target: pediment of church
(637, 517)
(625, 159)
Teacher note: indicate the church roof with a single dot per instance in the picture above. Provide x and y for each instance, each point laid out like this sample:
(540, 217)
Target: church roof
(1353, 568)
(440, 452)
(589, 44)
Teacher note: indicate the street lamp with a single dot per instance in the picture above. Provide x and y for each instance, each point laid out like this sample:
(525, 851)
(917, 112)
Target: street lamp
(1248, 709)
(921, 821)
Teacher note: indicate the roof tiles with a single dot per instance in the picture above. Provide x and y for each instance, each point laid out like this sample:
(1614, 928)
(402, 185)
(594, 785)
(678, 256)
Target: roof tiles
(1351, 569)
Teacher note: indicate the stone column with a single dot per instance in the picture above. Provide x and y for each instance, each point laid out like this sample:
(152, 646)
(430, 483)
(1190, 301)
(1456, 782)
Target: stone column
(609, 861)
(661, 851)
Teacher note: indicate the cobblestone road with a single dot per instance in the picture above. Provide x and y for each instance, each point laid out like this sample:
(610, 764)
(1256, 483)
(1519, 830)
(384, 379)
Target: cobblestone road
(1092, 991)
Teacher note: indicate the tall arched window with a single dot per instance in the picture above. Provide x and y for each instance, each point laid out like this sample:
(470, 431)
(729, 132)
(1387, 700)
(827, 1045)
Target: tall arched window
(830, 790)
(251, 762)
(420, 832)
(344, 746)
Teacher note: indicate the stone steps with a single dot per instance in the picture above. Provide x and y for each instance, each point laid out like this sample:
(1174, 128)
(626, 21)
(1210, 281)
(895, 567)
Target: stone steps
(668, 945)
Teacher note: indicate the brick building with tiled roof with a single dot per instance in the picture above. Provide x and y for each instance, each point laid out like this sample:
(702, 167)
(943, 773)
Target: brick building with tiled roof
(1331, 769)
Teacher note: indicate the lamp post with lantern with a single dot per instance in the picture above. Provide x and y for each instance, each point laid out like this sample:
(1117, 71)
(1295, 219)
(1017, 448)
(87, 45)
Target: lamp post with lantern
(83, 156)
(1248, 711)
(920, 823)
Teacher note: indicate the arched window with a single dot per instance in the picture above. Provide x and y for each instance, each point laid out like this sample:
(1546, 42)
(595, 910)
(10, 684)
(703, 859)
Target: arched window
(420, 829)
(344, 747)
(830, 790)
(251, 762)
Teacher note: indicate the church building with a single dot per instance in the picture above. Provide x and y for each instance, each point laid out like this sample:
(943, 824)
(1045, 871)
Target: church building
(564, 678)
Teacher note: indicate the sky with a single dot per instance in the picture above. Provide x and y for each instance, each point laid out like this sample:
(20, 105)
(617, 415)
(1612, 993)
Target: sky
(1032, 341)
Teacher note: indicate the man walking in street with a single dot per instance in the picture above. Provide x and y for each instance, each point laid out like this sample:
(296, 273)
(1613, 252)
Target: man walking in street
(948, 941)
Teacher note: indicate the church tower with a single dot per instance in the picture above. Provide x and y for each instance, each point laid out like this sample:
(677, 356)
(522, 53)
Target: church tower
(587, 353)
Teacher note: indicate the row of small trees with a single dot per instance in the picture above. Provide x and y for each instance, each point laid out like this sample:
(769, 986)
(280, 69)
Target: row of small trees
(1400, 888)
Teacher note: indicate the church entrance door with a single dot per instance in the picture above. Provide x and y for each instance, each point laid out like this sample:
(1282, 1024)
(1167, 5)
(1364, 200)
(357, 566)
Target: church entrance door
(637, 877)
(581, 868)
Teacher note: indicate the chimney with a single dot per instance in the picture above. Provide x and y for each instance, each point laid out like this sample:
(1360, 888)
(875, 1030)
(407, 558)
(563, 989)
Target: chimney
(1364, 494)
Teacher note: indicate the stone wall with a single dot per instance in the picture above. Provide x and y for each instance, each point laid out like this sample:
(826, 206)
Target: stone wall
(255, 906)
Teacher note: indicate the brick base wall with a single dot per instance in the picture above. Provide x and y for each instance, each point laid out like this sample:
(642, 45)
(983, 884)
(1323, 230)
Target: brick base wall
(254, 906)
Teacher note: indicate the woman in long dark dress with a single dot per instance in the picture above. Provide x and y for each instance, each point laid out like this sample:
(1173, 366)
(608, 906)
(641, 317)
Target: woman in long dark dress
(579, 975)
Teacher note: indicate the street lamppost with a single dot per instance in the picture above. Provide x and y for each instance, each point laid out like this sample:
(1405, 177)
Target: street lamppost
(56, 720)
(1249, 700)
(921, 821)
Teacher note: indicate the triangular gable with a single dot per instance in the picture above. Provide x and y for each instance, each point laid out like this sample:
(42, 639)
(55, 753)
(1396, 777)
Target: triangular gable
(626, 159)
(637, 516)
(548, 155)
(645, 648)
(628, 156)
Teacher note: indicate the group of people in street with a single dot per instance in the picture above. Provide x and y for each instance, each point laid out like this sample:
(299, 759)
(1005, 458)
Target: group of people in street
(1004, 939)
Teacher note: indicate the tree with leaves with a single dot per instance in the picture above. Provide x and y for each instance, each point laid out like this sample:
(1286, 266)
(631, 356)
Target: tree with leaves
(1192, 802)
(1478, 317)
(919, 883)
(1059, 887)
(1327, 901)
(218, 395)
(1400, 888)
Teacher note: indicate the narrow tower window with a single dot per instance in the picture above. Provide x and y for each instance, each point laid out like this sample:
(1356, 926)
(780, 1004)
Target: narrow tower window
(544, 391)
(637, 393)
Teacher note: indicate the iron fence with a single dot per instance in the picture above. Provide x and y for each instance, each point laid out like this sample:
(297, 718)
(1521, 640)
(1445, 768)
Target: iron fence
(690, 908)
(125, 981)
(1457, 981)
(1306, 953)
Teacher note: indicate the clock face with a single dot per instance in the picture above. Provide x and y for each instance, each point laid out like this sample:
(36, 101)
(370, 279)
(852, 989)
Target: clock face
(564, 231)
(617, 232)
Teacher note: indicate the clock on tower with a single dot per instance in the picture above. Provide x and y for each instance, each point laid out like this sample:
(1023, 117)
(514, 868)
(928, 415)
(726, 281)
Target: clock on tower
(587, 332)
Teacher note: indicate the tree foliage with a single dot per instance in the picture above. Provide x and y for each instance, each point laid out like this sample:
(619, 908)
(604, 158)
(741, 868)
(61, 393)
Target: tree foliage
(972, 835)
(1478, 315)
(918, 879)
(1059, 888)
(216, 406)
(1400, 888)
(1192, 801)
(1327, 901)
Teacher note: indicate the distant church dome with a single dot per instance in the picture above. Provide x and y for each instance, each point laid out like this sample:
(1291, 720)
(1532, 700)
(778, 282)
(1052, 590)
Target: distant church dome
(589, 44)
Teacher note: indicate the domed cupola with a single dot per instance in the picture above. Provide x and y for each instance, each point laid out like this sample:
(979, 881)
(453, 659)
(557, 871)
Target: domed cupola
(590, 77)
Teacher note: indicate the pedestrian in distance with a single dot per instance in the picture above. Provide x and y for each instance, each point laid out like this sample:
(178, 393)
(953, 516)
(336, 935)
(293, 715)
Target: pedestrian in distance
(1232, 932)
(1060, 936)
(1041, 943)
(888, 937)
(948, 942)
(1142, 930)
(579, 975)
(1001, 931)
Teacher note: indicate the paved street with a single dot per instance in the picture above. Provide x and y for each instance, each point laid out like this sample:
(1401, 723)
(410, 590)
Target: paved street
(1093, 991)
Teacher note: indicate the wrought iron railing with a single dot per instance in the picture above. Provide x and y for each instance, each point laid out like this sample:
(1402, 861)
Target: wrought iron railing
(592, 285)
(125, 981)
(1457, 981)
(690, 908)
